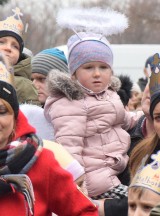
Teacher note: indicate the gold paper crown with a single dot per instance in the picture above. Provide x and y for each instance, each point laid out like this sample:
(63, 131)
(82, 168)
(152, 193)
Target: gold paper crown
(154, 83)
(5, 74)
(13, 23)
(148, 176)
(64, 158)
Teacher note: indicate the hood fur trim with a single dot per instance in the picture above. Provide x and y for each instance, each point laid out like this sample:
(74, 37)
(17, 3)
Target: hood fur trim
(115, 83)
(60, 84)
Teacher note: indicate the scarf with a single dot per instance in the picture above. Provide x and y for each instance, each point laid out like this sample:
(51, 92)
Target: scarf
(15, 161)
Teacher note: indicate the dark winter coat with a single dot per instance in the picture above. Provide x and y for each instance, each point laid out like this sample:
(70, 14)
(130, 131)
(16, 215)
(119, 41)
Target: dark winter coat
(26, 92)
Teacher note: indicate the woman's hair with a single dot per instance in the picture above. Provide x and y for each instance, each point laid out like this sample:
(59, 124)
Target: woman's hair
(145, 147)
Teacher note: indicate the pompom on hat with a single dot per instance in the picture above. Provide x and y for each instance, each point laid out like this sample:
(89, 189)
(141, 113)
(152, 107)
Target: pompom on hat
(49, 59)
(13, 26)
(90, 26)
(154, 82)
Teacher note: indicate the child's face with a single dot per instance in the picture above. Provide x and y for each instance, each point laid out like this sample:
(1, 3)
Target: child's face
(142, 205)
(94, 76)
(9, 46)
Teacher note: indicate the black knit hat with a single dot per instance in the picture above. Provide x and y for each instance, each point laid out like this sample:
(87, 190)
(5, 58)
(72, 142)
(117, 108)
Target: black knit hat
(16, 36)
(154, 101)
(8, 93)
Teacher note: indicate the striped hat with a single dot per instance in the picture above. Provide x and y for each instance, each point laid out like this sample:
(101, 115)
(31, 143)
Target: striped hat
(49, 59)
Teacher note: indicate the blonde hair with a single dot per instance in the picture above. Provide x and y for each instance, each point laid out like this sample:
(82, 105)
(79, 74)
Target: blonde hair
(145, 147)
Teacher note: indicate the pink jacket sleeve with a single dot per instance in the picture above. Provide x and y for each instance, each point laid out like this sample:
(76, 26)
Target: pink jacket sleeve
(69, 121)
(131, 119)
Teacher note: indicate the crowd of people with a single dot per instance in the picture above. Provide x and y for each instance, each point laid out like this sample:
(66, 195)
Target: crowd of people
(75, 139)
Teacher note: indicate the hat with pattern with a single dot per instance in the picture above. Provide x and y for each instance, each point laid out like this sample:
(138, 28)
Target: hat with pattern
(88, 47)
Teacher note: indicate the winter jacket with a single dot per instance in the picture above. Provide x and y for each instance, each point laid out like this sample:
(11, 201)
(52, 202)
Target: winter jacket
(90, 128)
(53, 187)
(26, 92)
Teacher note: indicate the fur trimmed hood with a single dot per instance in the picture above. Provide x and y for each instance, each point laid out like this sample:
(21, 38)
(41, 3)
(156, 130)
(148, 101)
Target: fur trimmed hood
(60, 84)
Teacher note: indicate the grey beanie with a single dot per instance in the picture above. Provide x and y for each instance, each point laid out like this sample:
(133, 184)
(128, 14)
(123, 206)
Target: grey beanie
(49, 59)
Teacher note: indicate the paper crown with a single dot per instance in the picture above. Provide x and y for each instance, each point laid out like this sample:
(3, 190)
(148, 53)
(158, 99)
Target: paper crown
(13, 23)
(6, 74)
(65, 159)
(148, 176)
(154, 78)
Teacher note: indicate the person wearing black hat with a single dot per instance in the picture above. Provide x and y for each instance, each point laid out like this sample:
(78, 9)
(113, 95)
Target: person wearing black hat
(11, 45)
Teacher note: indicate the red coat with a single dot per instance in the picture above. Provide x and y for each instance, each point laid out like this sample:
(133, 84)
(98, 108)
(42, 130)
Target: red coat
(54, 191)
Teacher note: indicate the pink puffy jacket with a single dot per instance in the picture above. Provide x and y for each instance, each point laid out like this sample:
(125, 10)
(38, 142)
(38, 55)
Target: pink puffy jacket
(93, 129)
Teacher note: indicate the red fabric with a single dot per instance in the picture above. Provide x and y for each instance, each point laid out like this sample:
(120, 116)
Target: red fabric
(22, 126)
(54, 192)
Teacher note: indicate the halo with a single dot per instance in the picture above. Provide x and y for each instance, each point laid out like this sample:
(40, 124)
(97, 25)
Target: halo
(106, 22)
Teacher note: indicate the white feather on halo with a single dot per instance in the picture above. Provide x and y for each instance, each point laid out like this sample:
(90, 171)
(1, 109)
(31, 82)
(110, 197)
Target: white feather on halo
(106, 22)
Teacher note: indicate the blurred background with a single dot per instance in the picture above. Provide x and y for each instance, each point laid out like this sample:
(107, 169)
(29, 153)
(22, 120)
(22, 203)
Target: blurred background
(144, 20)
(39, 17)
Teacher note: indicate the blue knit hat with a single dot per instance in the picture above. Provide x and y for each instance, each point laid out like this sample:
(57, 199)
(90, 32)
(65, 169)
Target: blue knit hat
(49, 59)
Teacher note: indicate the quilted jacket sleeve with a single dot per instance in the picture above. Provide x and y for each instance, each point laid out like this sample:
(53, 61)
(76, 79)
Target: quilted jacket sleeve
(69, 122)
(131, 119)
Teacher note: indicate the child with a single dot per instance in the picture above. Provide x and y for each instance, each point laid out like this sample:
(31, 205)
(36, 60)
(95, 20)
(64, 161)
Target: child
(11, 45)
(144, 191)
(88, 115)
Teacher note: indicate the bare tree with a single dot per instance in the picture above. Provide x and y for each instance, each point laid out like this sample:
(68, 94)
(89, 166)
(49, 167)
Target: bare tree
(144, 20)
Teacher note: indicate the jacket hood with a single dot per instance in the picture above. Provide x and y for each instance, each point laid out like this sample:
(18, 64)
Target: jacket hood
(60, 84)
(23, 67)
(22, 126)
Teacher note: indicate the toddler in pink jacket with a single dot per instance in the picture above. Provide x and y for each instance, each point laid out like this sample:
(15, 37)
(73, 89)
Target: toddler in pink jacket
(88, 116)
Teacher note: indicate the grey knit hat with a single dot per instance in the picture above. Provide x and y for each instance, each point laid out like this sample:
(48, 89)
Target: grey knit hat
(49, 59)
